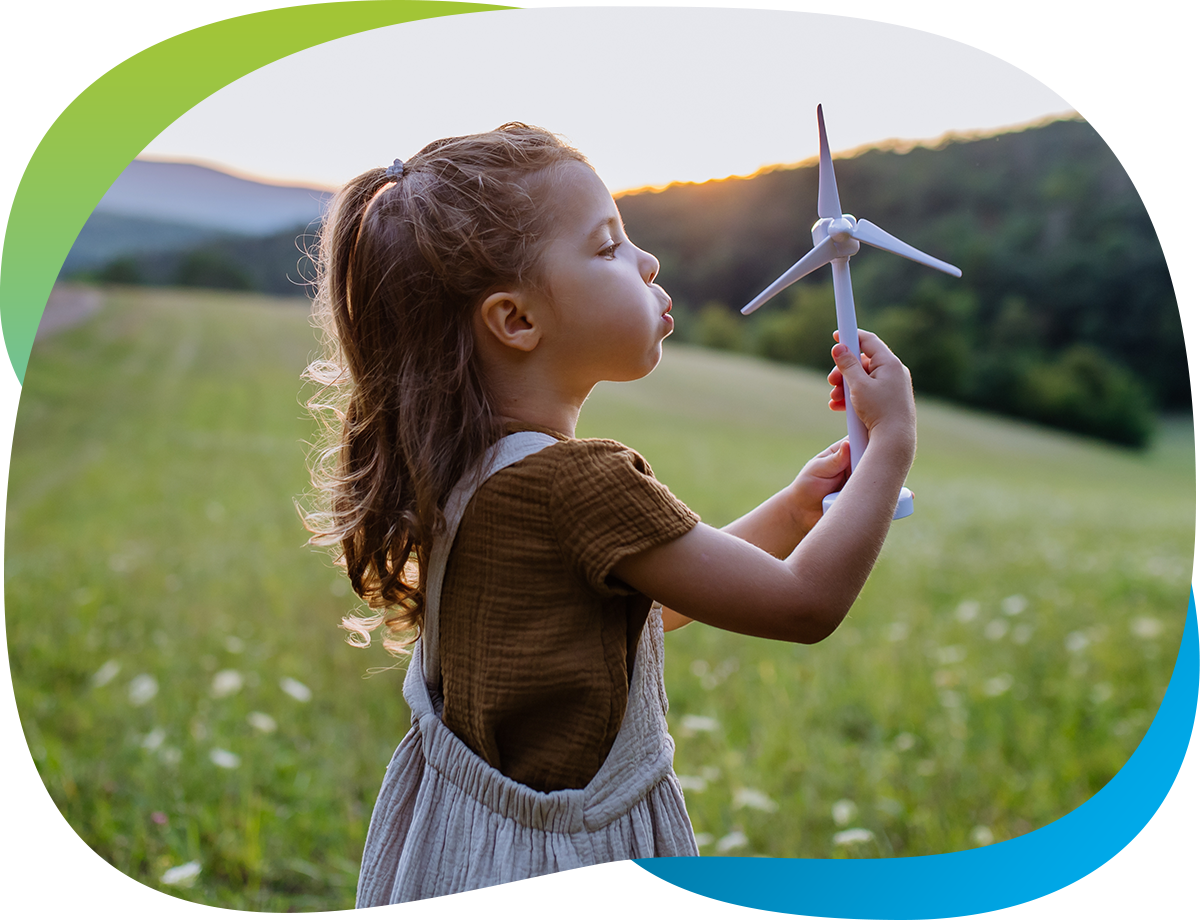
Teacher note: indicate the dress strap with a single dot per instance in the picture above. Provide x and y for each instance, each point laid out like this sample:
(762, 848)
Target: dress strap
(504, 453)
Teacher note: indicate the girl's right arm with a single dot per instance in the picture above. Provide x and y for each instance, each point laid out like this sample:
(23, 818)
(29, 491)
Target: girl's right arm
(727, 582)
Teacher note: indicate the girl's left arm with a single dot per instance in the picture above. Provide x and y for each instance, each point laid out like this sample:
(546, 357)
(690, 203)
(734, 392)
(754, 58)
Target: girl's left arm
(783, 520)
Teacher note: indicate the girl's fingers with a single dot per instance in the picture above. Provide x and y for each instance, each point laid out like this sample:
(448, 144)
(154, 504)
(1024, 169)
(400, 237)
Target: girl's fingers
(871, 345)
(835, 375)
(833, 448)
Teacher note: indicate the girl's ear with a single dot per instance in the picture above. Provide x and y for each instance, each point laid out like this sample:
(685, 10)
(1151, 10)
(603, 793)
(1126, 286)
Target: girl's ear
(508, 317)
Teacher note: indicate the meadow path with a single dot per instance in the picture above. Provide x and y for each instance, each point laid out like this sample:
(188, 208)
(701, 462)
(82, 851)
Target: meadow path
(68, 305)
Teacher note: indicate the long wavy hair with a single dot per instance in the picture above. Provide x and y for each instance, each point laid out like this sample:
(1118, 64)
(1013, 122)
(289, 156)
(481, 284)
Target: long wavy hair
(403, 263)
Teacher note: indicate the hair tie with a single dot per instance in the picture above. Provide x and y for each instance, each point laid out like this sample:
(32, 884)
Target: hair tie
(395, 171)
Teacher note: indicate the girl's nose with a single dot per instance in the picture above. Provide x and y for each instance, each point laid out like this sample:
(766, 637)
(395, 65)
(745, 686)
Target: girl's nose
(648, 265)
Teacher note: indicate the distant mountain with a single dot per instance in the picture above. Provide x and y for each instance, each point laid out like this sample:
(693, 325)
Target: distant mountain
(183, 193)
(110, 236)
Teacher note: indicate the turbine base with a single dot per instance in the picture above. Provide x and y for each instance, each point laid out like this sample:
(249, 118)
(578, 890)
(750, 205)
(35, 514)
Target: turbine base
(904, 505)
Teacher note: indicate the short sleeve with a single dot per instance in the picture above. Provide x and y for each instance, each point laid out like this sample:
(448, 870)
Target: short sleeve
(606, 505)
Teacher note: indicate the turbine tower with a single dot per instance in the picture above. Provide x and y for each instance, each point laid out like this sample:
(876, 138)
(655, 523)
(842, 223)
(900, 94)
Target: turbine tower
(836, 237)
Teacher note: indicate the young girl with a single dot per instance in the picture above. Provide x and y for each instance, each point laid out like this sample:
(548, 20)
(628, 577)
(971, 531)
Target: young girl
(473, 297)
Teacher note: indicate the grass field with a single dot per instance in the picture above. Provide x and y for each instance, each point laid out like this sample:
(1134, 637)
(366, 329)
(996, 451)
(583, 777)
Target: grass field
(195, 715)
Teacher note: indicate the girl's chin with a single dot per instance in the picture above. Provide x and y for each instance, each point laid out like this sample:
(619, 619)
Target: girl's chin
(637, 373)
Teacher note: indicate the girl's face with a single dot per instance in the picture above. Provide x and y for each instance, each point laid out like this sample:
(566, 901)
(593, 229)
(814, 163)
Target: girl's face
(609, 319)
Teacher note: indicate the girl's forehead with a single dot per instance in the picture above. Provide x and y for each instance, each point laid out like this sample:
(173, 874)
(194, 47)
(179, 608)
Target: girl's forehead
(578, 200)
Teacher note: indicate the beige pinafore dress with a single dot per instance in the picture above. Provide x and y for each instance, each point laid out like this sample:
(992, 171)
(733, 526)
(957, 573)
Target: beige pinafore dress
(447, 821)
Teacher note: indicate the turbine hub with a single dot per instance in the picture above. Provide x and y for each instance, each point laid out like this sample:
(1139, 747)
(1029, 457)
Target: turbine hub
(841, 227)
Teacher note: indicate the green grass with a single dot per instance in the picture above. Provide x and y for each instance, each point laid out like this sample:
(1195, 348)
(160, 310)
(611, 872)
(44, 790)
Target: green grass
(157, 451)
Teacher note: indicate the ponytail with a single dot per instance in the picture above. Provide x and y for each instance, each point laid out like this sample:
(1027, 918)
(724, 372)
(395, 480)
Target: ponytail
(406, 255)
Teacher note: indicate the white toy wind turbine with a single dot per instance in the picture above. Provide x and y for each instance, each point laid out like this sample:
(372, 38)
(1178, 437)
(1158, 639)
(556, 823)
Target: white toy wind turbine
(836, 237)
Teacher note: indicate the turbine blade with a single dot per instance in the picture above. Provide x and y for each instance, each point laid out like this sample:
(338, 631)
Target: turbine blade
(866, 232)
(828, 204)
(821, 254)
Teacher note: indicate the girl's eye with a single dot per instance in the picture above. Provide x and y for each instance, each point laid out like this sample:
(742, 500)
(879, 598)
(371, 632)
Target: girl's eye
(610, 251)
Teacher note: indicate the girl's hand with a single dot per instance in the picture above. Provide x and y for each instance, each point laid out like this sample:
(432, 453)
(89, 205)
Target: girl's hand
(758, 576)
(824, 473)
(880, 389)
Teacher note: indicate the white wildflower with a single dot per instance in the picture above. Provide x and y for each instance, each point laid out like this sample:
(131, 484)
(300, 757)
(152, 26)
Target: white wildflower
(951, 654)
(263, 722)
(844, 811)
(226, 760)
(1102, 693)
(703, 840)
(905, 741)
(753, 798)
(1014, 605)
(692, 783)
(153, 741)
(950, 699)
(295, 689)
(852, 836)
(897, 632)
(170, 756)
(1146, 894)
(995, 630)
(183, 875)
(981, 836)
(1146, 627)
(692, 724)
(998, 685)
(107, 672)
(1077, 642)
(732, 841)
(967, 611)
(234, 645)
(34, 813)
(226, 683)
(142, 689)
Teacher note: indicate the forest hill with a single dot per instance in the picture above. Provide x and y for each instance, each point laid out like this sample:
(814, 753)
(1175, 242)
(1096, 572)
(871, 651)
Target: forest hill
(1065, 313)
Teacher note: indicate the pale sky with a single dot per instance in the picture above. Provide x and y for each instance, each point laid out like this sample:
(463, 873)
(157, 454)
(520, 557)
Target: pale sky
(651, 96)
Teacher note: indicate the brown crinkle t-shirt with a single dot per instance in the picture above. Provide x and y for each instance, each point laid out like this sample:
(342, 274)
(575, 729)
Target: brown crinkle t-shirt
(537, 639)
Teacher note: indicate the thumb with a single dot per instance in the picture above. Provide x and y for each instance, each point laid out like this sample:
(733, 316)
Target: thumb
(848, 363)
(838, 457)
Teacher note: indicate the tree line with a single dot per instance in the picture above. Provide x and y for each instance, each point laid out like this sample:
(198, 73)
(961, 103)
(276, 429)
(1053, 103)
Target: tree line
(1065, 313)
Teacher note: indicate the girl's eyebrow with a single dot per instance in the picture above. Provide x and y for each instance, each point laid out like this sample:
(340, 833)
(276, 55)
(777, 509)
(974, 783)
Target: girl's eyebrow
(609, 223)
